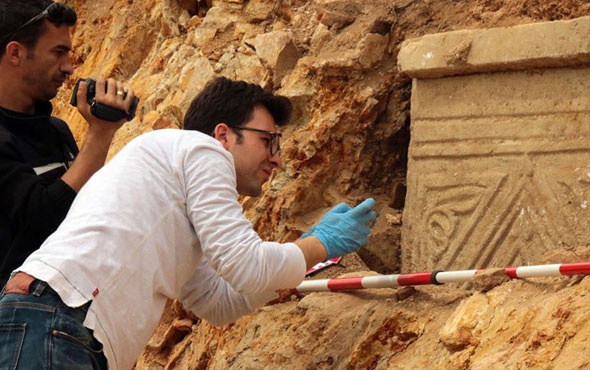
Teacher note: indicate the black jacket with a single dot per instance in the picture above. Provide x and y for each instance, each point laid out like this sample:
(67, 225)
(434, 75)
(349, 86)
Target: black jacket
(35, 151)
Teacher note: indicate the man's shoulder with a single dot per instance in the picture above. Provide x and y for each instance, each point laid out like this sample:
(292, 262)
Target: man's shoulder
(64, 131)
(4, 129)
(15, 141)
(190, 137)
(8, 140)
(60, 125)
(175, 142)
(7, 126)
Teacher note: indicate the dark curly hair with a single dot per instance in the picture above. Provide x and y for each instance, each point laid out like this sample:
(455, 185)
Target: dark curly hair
(15, 13)
(232, 102)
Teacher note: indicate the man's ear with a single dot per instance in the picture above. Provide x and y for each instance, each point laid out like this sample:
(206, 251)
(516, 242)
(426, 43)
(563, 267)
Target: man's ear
(223, 134)
(15, 52)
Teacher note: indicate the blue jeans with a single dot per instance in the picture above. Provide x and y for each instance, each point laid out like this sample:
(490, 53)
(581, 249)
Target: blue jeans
(38, 331)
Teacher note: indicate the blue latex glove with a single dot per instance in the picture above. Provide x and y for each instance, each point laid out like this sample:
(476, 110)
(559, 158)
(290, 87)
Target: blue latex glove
(344, 229)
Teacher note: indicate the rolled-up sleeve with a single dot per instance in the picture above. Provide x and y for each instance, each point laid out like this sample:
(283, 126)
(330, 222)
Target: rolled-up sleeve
(229, 243)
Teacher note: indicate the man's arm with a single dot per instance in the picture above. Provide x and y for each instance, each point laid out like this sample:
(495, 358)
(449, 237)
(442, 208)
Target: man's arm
(226, 237)
(313, 250)
(100, 133)
(210, 297)
(91, 157)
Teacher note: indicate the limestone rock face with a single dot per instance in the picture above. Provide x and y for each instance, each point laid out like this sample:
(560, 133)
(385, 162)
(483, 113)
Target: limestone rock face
(542, 324)
(337, 60)
(278, 51)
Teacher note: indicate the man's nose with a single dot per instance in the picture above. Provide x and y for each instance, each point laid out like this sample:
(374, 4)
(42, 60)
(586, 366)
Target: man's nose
(66, 66)
(275, 160)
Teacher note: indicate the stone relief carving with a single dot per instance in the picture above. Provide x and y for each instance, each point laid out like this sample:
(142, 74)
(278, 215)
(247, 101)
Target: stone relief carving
(500, 218)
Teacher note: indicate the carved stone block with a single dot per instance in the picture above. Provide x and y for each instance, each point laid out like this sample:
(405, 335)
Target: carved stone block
(499, 163)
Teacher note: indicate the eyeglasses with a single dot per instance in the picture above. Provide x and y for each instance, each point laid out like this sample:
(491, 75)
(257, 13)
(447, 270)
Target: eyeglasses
(56, 12)
(274, 145)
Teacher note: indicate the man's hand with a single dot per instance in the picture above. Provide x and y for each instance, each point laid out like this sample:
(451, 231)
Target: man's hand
(344, 229)
(111, 96)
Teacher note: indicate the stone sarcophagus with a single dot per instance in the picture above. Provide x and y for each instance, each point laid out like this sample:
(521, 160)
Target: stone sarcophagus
(499, 158)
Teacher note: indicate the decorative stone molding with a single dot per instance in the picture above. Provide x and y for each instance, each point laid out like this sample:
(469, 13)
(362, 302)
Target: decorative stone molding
(538, 45)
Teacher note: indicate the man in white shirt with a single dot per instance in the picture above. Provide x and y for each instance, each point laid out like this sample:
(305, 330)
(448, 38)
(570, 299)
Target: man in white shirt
(162, 220)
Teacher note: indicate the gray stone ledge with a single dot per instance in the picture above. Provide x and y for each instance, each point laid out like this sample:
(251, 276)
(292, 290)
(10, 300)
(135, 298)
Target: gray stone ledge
(530, 46)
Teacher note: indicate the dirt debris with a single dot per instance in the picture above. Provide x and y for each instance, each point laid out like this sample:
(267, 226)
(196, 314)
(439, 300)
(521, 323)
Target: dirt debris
(489, 279)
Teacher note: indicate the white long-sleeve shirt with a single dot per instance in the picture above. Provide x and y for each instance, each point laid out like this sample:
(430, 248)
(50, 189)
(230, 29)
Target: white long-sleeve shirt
(161, 220)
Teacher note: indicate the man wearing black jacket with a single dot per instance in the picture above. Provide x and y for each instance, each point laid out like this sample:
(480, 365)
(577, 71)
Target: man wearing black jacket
(41, 169)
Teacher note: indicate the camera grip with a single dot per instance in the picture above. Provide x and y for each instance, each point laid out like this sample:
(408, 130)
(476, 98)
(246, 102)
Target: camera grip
(106, 112)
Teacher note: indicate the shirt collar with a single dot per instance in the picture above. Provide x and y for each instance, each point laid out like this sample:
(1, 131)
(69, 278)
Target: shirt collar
(42, 109)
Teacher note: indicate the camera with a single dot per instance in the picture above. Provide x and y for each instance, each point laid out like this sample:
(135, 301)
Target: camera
(100, 110)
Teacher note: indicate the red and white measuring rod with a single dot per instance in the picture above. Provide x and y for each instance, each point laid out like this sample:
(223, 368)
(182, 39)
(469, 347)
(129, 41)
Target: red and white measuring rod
(435, 277)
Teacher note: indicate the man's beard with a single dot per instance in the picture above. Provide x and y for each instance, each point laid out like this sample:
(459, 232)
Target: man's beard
(44, 90)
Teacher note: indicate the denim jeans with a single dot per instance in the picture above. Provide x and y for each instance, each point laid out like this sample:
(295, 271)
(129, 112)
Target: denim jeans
(38, 331)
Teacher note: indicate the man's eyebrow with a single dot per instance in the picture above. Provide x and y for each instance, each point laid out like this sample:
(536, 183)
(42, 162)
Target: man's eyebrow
(63, 47)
